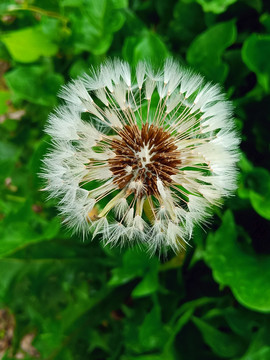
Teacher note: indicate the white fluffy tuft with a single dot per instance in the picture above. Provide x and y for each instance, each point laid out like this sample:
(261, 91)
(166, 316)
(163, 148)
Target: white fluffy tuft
(96, 108)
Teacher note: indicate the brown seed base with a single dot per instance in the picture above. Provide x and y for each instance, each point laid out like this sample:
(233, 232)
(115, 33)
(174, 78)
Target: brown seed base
(163, 154)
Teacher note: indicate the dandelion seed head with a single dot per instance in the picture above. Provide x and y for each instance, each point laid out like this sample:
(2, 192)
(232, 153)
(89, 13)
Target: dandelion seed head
(149, 153)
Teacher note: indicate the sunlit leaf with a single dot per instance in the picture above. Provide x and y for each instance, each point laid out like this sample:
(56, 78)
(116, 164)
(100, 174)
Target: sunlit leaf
(215, 6)
(28, 44)
(147, 46)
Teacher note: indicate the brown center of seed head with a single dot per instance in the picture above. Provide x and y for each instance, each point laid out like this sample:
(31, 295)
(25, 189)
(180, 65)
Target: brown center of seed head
(142, 156)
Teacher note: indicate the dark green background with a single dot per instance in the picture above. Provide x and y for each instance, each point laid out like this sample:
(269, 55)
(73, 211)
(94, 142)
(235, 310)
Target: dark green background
(80, 300)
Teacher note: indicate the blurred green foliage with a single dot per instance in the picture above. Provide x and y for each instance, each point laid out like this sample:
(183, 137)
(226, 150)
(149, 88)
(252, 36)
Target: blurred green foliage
(79, 300)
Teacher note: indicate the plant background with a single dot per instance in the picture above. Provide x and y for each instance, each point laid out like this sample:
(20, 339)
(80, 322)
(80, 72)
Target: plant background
(79, 300)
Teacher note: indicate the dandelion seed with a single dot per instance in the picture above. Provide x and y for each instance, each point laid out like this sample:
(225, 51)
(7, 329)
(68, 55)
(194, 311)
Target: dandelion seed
(150, 152)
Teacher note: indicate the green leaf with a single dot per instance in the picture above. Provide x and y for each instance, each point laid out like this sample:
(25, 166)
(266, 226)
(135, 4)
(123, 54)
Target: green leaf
(152, 334)
(93, 28)
(222, 344)
(238, 73)
(28, 44)
(259, 348)
(261, 204)
(205, 52)
(149, 283)
(133, 266)
(7, 272)
(23, 227)
(98, 341)
(36, 84)
(135, 263)
(120, 4)
(78, 68)
(255, 54)
(255, 4)
(242, 322)
(262, 353)
(215, 6)
(147, 46)
(9, 154)
(246, 274)
(256, 186)
(187, 22)
(265, 20)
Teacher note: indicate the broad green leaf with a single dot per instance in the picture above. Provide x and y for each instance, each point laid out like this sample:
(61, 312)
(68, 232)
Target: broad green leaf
(205, 52)
(27, 45)
(36, 84)
(93, 28)
(247, 274)
(222, 344)
(255, 54)
(147, 46)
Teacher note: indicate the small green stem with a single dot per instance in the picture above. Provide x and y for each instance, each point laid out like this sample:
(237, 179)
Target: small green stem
(25, 7)
(15, 198)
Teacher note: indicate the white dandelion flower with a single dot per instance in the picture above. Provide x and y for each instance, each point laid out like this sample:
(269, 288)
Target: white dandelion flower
(150, 151)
